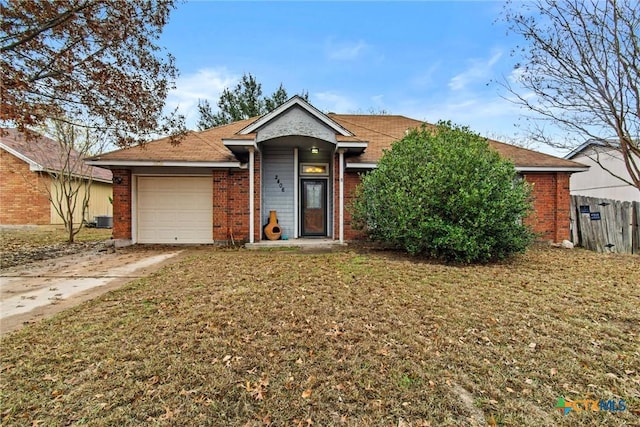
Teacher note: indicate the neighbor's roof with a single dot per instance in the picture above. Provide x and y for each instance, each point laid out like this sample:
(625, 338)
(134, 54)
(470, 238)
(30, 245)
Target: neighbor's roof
(592, 143)
(43, 154)
(379, 131)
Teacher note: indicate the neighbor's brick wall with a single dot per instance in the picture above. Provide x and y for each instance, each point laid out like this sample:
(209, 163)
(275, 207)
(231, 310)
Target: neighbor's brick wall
(23, 193)
(551, 205)
(122, 204)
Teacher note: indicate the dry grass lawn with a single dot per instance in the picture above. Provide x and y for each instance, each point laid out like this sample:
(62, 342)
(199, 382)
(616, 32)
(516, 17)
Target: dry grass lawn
(354, 337)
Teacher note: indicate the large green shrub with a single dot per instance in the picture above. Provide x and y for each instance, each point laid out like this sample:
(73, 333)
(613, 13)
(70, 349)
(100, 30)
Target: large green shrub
(443, 192)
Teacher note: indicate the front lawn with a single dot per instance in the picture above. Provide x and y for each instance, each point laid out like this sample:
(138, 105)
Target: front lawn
(235, 337)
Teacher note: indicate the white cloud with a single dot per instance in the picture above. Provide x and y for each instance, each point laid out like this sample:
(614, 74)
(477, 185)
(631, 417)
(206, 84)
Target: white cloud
(333, 102)
(345, 51)
(489, 116)
(478, 69)
(204, 84)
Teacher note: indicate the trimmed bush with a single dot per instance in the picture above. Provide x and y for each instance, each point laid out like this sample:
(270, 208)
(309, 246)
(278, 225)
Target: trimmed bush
(443, 192)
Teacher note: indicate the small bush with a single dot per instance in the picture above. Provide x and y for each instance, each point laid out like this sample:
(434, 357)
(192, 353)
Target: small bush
(444, 193)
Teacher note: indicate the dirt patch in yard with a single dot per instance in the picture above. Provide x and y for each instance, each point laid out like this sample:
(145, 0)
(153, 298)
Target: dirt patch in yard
(36, 290)
(20, 245)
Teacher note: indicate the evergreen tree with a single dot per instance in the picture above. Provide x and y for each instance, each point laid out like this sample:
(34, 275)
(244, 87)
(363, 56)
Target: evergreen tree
(245, 100)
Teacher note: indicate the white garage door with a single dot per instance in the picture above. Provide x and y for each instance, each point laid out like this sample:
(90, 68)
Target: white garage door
(175, 209)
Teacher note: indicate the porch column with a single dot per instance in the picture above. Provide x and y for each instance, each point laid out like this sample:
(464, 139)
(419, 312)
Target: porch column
(341, 204)
(251, 195)
(295, 193)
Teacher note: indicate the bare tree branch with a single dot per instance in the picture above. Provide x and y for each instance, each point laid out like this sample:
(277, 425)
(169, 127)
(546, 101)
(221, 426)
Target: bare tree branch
(580, 72)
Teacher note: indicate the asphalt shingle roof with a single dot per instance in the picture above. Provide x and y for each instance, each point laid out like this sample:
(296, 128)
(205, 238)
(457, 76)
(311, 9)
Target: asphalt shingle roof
(46, 153)
(380, 131)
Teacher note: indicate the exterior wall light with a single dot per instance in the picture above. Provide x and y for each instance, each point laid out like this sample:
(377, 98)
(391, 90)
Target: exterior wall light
(315, 150)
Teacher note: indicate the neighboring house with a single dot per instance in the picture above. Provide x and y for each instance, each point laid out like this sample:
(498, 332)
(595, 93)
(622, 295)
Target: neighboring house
(222, 183)
(26, 168)
(598, 182)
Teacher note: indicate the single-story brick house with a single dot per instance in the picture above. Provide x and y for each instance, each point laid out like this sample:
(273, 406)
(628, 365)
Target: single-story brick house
(223, 182)
(26, 169)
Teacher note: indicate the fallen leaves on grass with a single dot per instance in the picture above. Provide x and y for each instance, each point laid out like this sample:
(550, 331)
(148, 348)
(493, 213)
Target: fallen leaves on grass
(347, 338)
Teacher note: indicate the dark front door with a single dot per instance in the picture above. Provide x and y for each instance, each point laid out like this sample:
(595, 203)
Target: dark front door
(314, 207)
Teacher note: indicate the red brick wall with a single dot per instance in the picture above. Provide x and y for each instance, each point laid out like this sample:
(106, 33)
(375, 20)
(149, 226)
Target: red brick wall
(23, 194)
(122, 204)
(351, 180)
(231, 204)
(551, 204)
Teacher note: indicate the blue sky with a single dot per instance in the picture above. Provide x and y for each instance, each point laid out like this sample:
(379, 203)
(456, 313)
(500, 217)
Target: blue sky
(427, 60)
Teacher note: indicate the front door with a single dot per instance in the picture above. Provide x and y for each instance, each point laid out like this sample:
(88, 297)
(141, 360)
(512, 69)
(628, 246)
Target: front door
(314, 207)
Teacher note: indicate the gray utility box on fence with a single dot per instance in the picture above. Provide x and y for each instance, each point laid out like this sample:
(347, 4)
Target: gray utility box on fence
(104, 221)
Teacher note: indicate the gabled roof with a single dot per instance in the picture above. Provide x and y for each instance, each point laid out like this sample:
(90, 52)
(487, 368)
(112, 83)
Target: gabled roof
(207, 148)
(43, 154)
(196, 147)
(381, 131)
(296, 101)
(590, 143)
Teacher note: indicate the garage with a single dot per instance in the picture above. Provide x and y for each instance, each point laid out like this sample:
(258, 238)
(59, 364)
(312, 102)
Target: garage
(174, 210)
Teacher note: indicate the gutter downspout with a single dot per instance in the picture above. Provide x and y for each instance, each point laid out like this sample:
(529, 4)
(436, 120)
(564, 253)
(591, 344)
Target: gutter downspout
(341, 208)
(295, 193)
(251, 195)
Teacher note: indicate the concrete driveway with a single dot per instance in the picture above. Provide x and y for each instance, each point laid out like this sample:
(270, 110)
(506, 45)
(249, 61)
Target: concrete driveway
(38, 290)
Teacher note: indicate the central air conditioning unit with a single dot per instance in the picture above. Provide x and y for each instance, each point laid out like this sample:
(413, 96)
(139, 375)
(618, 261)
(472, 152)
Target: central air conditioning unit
(104, 221)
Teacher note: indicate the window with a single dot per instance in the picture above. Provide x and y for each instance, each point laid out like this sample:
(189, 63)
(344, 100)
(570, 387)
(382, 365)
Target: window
(321, 169)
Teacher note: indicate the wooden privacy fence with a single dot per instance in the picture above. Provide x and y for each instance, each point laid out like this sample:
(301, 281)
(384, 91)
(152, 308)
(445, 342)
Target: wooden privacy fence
(605, 225)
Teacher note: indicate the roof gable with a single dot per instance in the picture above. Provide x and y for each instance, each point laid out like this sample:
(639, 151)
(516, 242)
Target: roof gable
(295, 121)
(296, 101)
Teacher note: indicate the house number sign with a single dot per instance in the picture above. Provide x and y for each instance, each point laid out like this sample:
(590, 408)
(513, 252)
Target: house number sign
(279, 183)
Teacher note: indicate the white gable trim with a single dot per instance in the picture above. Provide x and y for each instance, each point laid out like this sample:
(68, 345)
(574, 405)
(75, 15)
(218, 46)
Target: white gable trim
(240, 143)
(296, 100)
(551, 169)
(33, 166)
(167, 163)
(356, 165)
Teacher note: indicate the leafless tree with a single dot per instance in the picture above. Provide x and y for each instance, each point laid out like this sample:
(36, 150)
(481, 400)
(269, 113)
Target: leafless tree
(580, 71)
(70, 180)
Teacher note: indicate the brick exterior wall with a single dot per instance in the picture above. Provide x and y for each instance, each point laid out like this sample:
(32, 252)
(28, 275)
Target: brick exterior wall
(351, 180)
(231, 204)
(550, 218)
(551, 205)
(230, 200)
(23, 193)
(122, 191)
